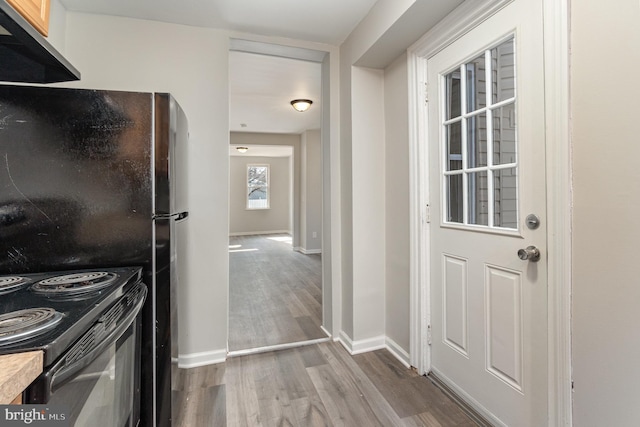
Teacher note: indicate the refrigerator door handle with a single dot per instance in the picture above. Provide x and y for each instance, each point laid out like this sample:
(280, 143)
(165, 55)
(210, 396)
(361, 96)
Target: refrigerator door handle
(176, 216)
(181, 216)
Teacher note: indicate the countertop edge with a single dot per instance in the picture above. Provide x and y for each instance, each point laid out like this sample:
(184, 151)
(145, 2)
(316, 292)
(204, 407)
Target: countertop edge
(17, 371)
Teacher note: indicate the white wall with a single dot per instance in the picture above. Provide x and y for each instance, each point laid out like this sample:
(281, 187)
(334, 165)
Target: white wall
(290, 140)
(346, 207)
(191, 63)
(396, 102)
(311, 192)
(362, 141)
(277, 218)
(57, 26)
(368, 196)
(605, 91)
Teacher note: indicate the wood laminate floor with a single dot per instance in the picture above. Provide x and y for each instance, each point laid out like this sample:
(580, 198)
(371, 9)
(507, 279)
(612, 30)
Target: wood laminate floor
(275, 293)
(315, 385)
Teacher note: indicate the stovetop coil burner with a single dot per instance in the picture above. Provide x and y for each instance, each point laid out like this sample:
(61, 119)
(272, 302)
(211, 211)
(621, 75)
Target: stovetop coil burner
(9, 284)
(72, 285)
(22, 324)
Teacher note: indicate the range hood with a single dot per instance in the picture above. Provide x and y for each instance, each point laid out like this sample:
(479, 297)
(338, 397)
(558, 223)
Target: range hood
(25, 56)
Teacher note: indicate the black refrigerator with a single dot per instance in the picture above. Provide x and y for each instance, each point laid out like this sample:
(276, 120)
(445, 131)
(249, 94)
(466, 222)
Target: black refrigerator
(92, 178)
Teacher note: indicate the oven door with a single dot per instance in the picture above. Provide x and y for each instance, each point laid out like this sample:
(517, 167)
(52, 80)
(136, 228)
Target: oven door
(97, 381)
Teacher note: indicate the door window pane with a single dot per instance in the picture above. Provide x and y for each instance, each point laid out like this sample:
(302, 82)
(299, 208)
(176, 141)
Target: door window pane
(504, 134)
(477, 140)
(504, 72)
(453, 95)
(454, 146)
(454, 199)
(505, 208)
(476, 84)
(478, 198)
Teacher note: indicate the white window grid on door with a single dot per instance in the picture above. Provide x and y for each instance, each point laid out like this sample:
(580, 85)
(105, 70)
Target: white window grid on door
(467, 114)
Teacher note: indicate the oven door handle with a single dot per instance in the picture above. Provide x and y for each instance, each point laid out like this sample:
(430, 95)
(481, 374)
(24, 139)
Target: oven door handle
(65, 371)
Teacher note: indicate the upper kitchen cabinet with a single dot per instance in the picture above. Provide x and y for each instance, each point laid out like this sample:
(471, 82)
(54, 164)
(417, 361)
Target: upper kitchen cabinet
(25, 55)
(36, 12)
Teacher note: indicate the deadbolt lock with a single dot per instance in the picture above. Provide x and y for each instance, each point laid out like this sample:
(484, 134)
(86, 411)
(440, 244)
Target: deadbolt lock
(532, 221)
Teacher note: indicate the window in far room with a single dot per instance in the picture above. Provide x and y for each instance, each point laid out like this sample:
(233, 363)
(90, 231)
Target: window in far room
(257, 186)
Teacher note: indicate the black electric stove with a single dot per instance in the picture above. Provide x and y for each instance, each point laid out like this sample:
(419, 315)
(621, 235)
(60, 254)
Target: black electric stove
(50, 311)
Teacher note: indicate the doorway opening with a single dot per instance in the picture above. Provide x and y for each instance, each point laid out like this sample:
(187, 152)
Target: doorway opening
(277, 276)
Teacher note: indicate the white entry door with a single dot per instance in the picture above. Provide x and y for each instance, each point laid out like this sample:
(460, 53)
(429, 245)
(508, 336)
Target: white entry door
(487, 175)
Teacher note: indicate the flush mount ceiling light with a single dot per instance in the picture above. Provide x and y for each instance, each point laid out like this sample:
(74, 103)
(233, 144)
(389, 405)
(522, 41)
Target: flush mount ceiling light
(242, 149)
(301, 105)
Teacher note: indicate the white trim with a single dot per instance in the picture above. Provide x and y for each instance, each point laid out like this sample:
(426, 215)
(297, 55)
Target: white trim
(307, 251)
(418, 234)
(361, 346)
(259, 233)
(398, 352)
(465, 17)
(344, 339)
(204, 358)
(326, 332)
(558, 153)
(276, 347)
(559, 196)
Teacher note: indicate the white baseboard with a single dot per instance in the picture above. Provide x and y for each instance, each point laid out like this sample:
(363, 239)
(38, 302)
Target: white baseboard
(325, 331)
(361, 346)
(277, 347)
(307, 251)
(376, 343)
(194, 360)
(344, 339)
(259, 233)
(398, 352)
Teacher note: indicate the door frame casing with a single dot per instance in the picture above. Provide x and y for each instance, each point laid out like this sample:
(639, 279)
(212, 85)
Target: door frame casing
(558, 186)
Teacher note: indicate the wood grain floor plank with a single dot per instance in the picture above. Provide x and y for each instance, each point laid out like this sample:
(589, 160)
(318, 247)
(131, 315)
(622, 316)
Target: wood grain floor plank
(344, 403)
(270, 286)
(310, 412)
(200, 377)
(309, 327)
(295, 306)
(345, 365)
(408, 393)
(201, 407)
(311, 356)
(425, 419)
(242, 400)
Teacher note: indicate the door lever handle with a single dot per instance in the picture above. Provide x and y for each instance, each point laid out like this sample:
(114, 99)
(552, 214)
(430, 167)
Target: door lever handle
(530, 253)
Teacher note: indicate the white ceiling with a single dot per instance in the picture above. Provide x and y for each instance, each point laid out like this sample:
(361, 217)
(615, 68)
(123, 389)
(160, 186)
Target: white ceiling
(322, 21)
(261, 89)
